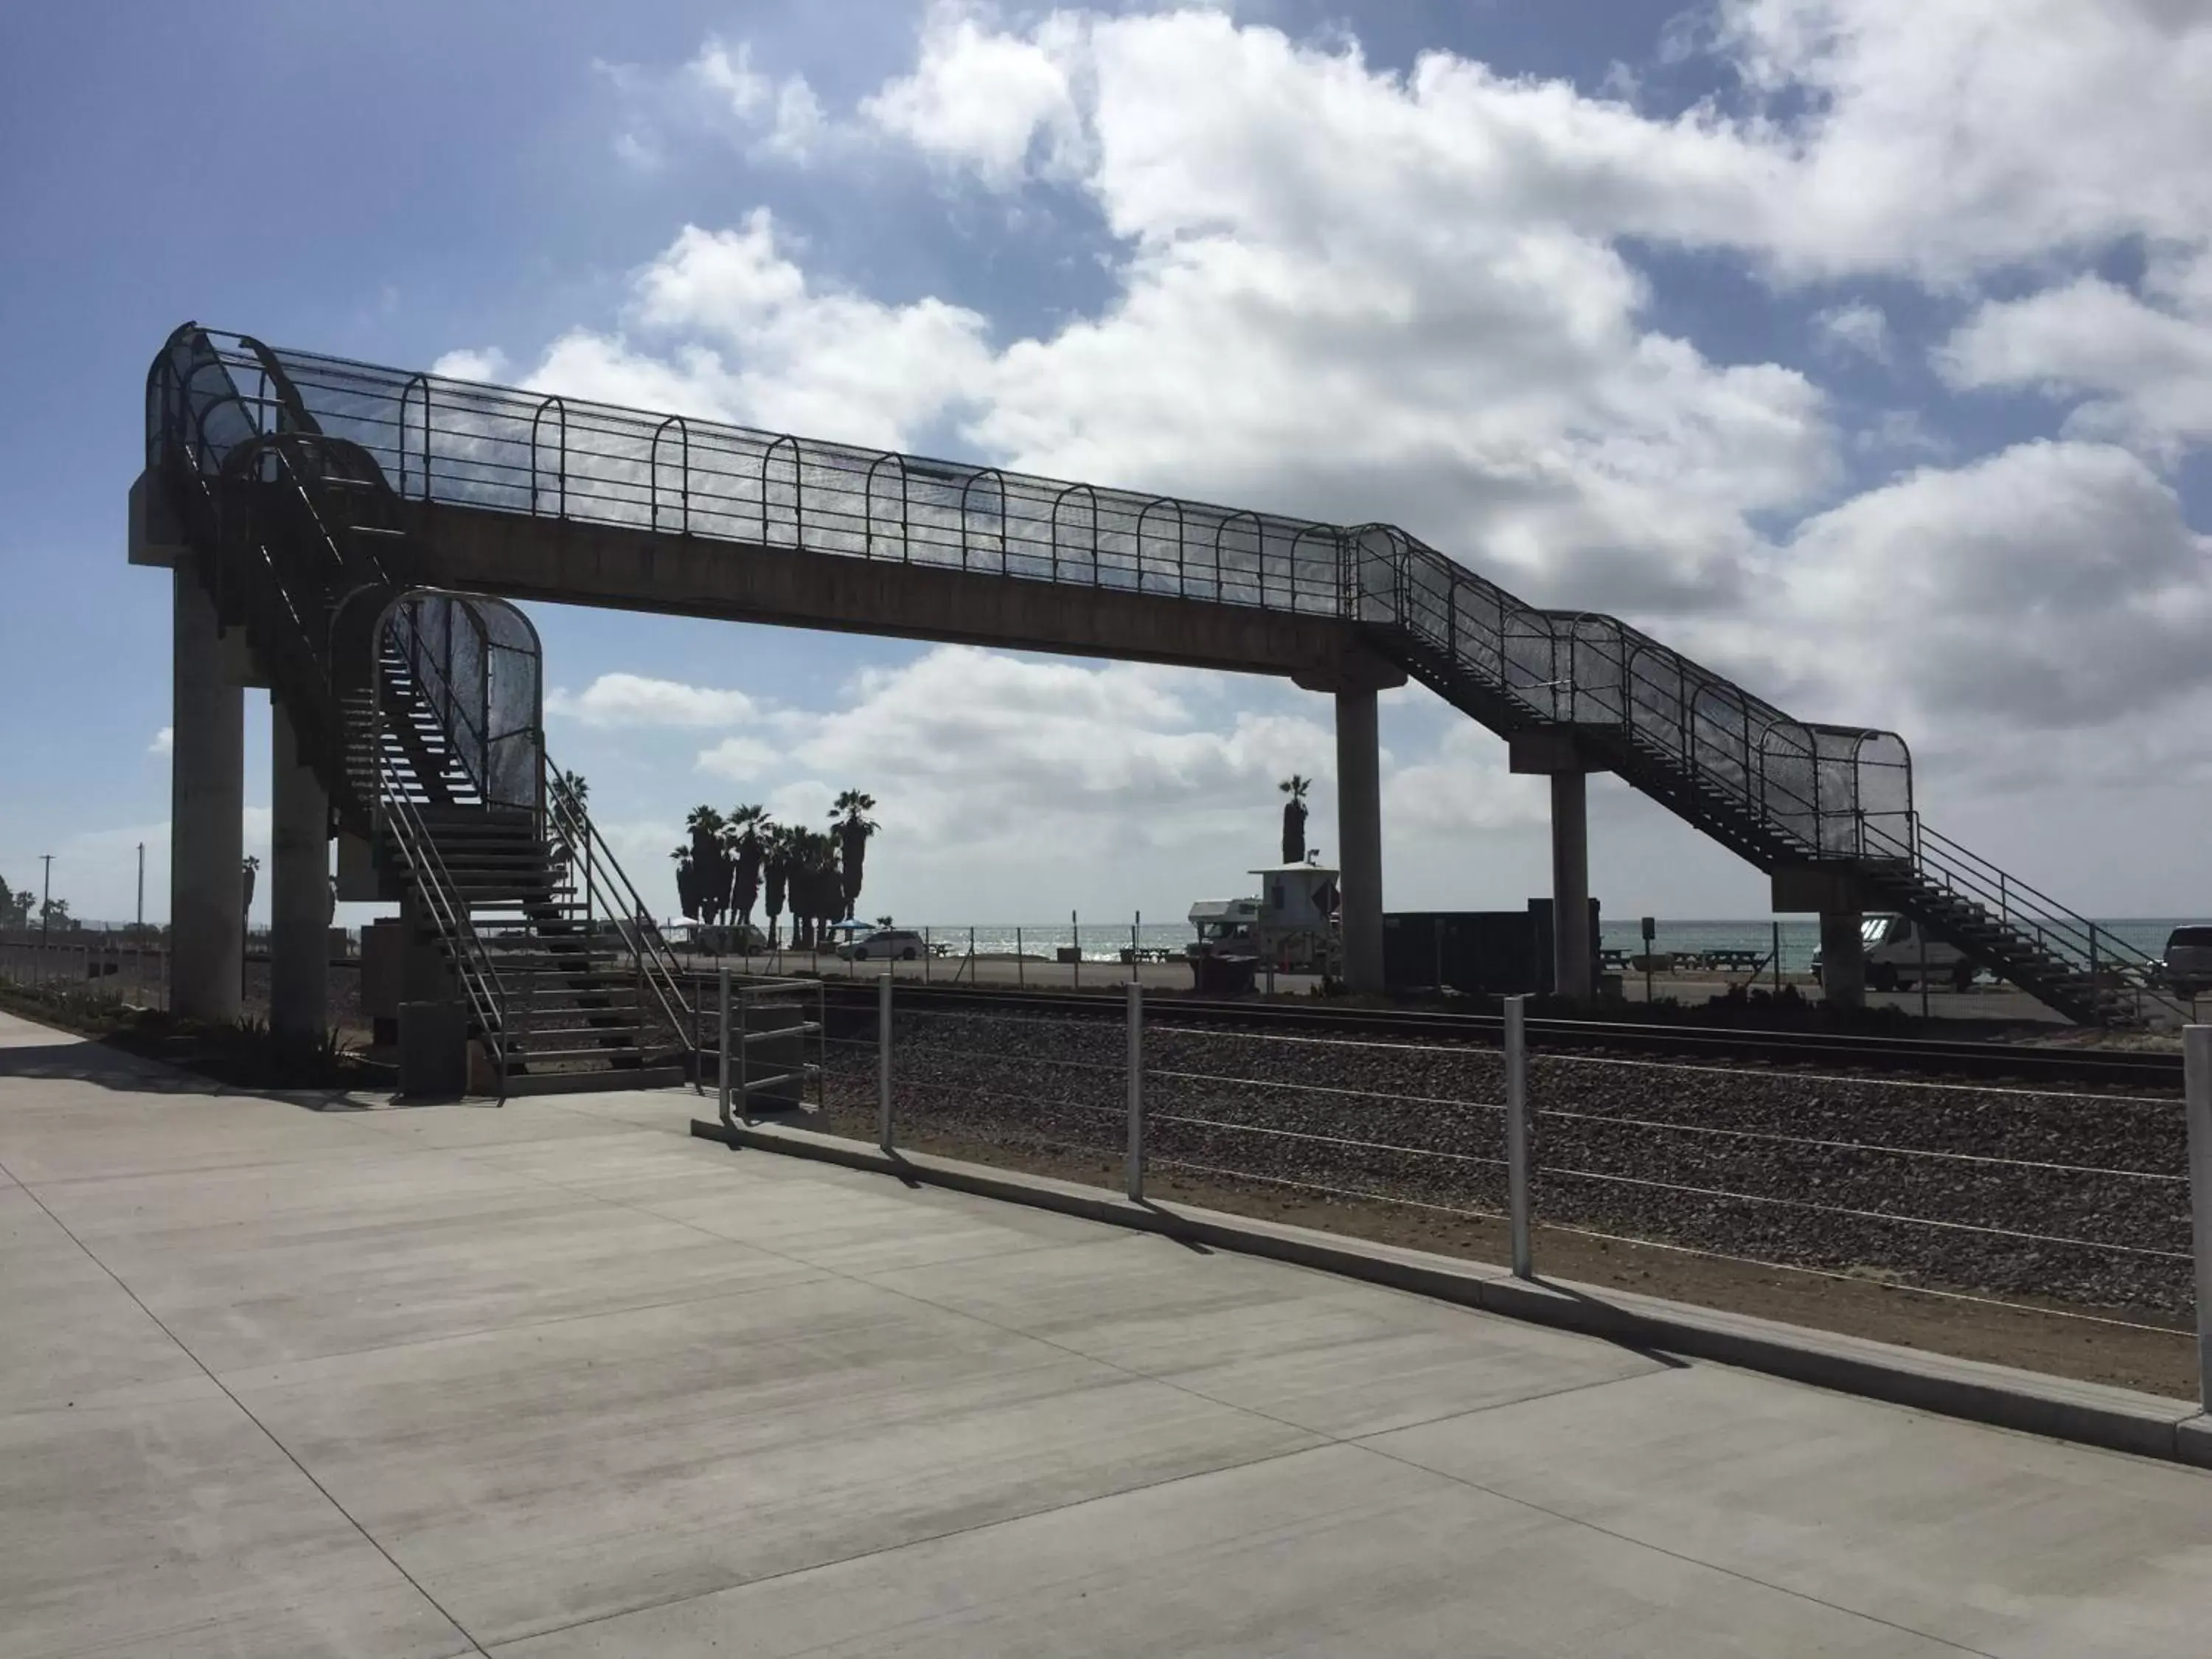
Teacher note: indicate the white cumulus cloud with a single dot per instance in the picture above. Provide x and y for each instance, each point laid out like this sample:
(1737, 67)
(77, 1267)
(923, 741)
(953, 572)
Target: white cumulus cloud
(744, 336)
(739, 759)
(487, 364)
(627, 700)
(2136, 373)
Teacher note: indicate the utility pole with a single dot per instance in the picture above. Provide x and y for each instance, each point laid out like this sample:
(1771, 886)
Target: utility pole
(46, 900)
(141, 887)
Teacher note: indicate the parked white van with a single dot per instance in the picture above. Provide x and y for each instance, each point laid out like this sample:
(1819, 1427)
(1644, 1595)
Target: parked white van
(1894, 949)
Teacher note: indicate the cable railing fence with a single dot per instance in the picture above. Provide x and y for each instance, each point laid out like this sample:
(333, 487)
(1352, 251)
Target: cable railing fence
(130, 970)
(2092, 1207)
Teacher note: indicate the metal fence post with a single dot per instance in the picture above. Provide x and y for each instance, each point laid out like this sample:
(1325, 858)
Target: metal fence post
(722, 1048)
(1516, 1133)
(2197, 1064)
(1136, 1160)
(883, 1061)
(743, 1090)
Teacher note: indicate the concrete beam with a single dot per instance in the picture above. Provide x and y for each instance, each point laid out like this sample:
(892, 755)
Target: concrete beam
(155, 537)
(1359, 837)
(207, 811)
(1355, 668)
(1547, 751)
(1813, 890)
(518, 557)
(299, 889)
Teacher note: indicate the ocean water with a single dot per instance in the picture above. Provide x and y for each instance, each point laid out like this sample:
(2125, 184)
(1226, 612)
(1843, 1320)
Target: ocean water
(1103, 940)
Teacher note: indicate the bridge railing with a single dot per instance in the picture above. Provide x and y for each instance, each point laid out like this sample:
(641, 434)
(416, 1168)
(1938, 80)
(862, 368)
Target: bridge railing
(1812, 790)
(1824, 792)
(451, 441)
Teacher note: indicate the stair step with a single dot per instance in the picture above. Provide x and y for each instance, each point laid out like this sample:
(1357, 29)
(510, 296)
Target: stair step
(560, 1083)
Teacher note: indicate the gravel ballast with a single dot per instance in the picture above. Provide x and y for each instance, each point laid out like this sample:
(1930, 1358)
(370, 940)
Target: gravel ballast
(2077, 1198)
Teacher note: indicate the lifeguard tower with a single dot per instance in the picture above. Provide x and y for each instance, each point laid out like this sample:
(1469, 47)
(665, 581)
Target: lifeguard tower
(1296, 931)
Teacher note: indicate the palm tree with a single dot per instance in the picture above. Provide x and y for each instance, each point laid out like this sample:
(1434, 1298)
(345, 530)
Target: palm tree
(1294, 817)
(569, 792)
(810, 883)
(687, 882)
(710, 873)
(853, 828)
(776, 860)
(745, 829)
(829, 886)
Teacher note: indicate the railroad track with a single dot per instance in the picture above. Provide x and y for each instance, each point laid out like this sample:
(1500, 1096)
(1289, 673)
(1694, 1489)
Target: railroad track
(2024, 1063)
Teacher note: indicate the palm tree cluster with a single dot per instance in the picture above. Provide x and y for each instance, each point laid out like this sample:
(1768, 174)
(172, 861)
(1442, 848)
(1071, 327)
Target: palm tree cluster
(732, 862)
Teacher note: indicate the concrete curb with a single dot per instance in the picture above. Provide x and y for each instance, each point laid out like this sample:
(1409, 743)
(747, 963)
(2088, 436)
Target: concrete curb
(2091, 1415)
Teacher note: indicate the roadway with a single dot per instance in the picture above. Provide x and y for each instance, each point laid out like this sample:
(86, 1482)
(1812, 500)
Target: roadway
(1984, 1002)
(312, 1376)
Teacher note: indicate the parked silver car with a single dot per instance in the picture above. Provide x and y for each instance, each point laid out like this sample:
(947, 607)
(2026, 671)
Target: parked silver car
(884, 945)
(2187, 965)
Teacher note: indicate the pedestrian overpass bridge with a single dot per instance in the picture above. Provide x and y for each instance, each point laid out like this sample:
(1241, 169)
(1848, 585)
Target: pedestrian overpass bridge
(357, 527)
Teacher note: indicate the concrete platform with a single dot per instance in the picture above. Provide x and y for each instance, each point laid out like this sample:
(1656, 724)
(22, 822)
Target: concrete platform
(305, 1377)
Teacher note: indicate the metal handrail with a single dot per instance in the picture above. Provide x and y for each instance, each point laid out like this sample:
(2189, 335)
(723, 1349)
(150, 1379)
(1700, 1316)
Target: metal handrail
(657, 965)
(472, 963)
(2059, 932)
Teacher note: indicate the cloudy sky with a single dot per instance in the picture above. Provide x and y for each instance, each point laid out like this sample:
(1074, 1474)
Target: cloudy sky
(1861, 347)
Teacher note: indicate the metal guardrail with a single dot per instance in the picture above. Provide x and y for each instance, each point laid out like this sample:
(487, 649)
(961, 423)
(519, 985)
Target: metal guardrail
(2091, 1208)
(578, 841)
(448, 914)
(2108, 962)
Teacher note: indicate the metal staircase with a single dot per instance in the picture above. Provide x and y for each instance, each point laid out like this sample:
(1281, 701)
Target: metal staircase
(419, 711)
(1781, 792)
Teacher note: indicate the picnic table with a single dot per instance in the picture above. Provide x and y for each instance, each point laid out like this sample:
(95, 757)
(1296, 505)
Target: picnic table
(1732, 961)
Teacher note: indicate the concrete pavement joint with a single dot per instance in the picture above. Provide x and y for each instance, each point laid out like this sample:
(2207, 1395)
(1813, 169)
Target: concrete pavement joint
(1989, 1395)
(1661, 1549)
(368, 1537)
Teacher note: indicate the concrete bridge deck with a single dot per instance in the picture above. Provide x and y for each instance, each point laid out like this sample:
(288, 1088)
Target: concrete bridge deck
(558, 1380)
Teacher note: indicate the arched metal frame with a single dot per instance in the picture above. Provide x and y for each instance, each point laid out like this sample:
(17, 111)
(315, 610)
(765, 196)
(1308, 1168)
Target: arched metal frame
(868, 508)
(1221, 569)
(406, 393)
(798, 508)
(1322, 535)
(455, 662)
(652, 474)
(1091, 496)
(1181, 547)
(999, 483)
(556, 406)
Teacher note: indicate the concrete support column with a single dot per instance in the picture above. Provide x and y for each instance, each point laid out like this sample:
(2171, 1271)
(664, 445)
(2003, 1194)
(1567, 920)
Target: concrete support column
(1843, 959)
(207, 812)
(299, 887)
(1572, 967)
(1359, 836)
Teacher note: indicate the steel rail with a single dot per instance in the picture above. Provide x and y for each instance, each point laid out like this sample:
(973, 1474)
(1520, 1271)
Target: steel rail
(1937, 1056)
